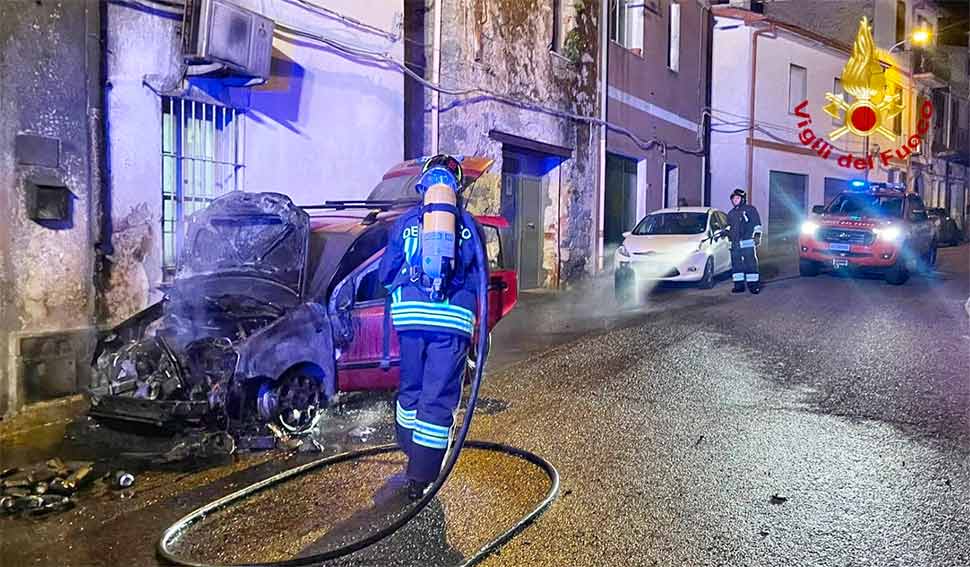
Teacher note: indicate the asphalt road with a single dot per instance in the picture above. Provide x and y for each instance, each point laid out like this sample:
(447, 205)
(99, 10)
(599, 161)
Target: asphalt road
(823, 422)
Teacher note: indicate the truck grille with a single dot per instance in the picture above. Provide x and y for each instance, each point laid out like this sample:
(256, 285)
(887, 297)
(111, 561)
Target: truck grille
(847, 236)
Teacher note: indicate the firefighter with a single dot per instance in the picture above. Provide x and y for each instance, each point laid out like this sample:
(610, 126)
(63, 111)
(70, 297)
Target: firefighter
(744, 229)
(433, 311)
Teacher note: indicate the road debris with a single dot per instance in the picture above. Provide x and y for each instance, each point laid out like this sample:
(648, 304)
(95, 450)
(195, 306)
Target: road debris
(44, 487)
(778, 500)
(122, 479)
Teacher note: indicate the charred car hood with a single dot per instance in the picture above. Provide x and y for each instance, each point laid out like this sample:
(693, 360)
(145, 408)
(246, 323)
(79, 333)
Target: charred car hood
(262, 235)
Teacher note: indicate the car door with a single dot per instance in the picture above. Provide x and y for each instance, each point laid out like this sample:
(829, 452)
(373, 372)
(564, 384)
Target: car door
(722, 244)
(359, 364)
(502, 281)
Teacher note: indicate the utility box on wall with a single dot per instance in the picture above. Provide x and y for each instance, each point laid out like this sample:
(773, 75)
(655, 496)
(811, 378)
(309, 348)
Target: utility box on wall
(49, 201)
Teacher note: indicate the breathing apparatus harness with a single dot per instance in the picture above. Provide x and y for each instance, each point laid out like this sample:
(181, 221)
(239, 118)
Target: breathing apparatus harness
(433, 266)
(429, 174)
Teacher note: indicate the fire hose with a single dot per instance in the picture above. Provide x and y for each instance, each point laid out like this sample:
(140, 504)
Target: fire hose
(170, 535)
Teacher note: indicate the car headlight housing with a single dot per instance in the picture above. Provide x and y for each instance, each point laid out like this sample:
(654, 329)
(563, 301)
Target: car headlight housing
(890, 233)
(809, 228)
(622, 251)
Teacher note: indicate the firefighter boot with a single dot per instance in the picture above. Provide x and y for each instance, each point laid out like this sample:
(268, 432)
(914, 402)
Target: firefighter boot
(738, 287)
(754, 287)
(416, 489)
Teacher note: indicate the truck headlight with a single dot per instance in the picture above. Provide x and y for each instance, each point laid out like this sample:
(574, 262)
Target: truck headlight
(622, 251)
(809, 228)
(889, 233)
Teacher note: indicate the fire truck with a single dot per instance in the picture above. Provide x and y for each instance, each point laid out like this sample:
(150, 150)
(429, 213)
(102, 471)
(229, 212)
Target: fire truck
(871, 227)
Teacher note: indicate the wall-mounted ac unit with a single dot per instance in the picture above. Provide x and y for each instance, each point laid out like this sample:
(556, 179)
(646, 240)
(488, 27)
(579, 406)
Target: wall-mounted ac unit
(229, 36)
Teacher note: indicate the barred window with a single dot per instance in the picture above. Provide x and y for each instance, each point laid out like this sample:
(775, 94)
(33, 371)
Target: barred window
(202, 158)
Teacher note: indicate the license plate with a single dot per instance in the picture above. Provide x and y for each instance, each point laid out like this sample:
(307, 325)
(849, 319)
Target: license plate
(840, 263)
(839, 247)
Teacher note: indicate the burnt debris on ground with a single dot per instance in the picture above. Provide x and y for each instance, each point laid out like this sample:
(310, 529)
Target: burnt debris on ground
(52, 486)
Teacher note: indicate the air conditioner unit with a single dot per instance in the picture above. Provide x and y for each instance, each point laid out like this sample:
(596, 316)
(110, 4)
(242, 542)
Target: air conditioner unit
(227, 37)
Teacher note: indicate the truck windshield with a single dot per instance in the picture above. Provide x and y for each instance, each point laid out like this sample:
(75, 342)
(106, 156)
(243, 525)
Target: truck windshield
(863, 205)
(672, 223)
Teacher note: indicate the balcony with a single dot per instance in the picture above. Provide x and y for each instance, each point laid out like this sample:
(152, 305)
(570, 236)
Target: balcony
(931, 67)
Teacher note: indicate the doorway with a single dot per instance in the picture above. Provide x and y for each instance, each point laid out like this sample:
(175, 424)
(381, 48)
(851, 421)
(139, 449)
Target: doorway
(524, 198)
(671, 185)
(620, 201)
(786, 204)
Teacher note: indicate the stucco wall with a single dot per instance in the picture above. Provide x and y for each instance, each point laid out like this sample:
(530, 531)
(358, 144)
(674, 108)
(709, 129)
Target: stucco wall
(325, 127)
(45, 280)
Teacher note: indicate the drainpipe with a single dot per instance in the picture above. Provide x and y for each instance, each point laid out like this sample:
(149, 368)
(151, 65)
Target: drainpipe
(604, 93)
(751, 109)
(99, 225)
(708, 93)
(436, 75)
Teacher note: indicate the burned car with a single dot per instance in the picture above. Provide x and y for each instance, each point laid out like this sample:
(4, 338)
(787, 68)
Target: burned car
(274, 310)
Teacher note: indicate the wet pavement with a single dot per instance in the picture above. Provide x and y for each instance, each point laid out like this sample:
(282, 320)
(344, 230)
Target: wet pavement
(823, 422)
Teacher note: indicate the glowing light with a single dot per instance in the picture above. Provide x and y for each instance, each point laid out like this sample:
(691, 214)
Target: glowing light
(809, 228)
(889, 233)
(921, 36)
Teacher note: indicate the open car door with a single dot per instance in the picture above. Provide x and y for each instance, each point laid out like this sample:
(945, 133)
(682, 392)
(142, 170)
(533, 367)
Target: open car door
(503, 285)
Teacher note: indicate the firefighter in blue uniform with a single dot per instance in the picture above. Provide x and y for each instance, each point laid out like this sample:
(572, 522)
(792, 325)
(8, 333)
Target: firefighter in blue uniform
(434, 328)
(744, 230)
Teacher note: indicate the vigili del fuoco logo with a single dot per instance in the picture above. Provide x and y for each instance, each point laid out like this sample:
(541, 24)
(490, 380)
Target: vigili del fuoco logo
(872, 110)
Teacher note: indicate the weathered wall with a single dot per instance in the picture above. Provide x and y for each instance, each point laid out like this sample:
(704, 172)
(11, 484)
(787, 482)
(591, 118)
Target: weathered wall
(502, 46)
(326, 127)
(45, 272)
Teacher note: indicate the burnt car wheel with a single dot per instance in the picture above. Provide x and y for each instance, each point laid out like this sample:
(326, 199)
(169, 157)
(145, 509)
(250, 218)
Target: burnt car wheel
(294, 401)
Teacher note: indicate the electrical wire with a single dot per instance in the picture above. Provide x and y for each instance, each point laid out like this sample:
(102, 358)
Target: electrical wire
(352, 22)
(385, 58)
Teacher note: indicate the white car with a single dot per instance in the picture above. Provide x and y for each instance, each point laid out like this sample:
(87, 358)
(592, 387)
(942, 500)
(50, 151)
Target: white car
(685, 244)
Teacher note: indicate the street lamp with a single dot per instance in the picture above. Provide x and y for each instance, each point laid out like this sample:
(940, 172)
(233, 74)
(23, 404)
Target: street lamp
(919, 37)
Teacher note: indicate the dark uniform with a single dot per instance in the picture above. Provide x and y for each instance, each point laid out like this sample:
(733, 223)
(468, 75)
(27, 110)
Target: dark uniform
(744, 230)
(434, 338)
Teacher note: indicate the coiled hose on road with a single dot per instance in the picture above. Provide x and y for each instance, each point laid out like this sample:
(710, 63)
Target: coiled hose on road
(179, 527)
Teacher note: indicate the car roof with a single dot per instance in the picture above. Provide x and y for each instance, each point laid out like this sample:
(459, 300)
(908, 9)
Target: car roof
(683, 210)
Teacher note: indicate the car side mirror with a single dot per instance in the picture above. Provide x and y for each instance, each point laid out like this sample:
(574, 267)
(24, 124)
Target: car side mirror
(627, 233)
(818, 209)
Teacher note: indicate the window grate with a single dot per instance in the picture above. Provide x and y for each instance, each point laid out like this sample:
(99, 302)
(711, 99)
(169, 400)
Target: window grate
(202, 158)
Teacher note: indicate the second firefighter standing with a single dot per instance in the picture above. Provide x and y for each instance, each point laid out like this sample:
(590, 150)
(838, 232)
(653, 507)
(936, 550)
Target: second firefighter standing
(744, 230)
